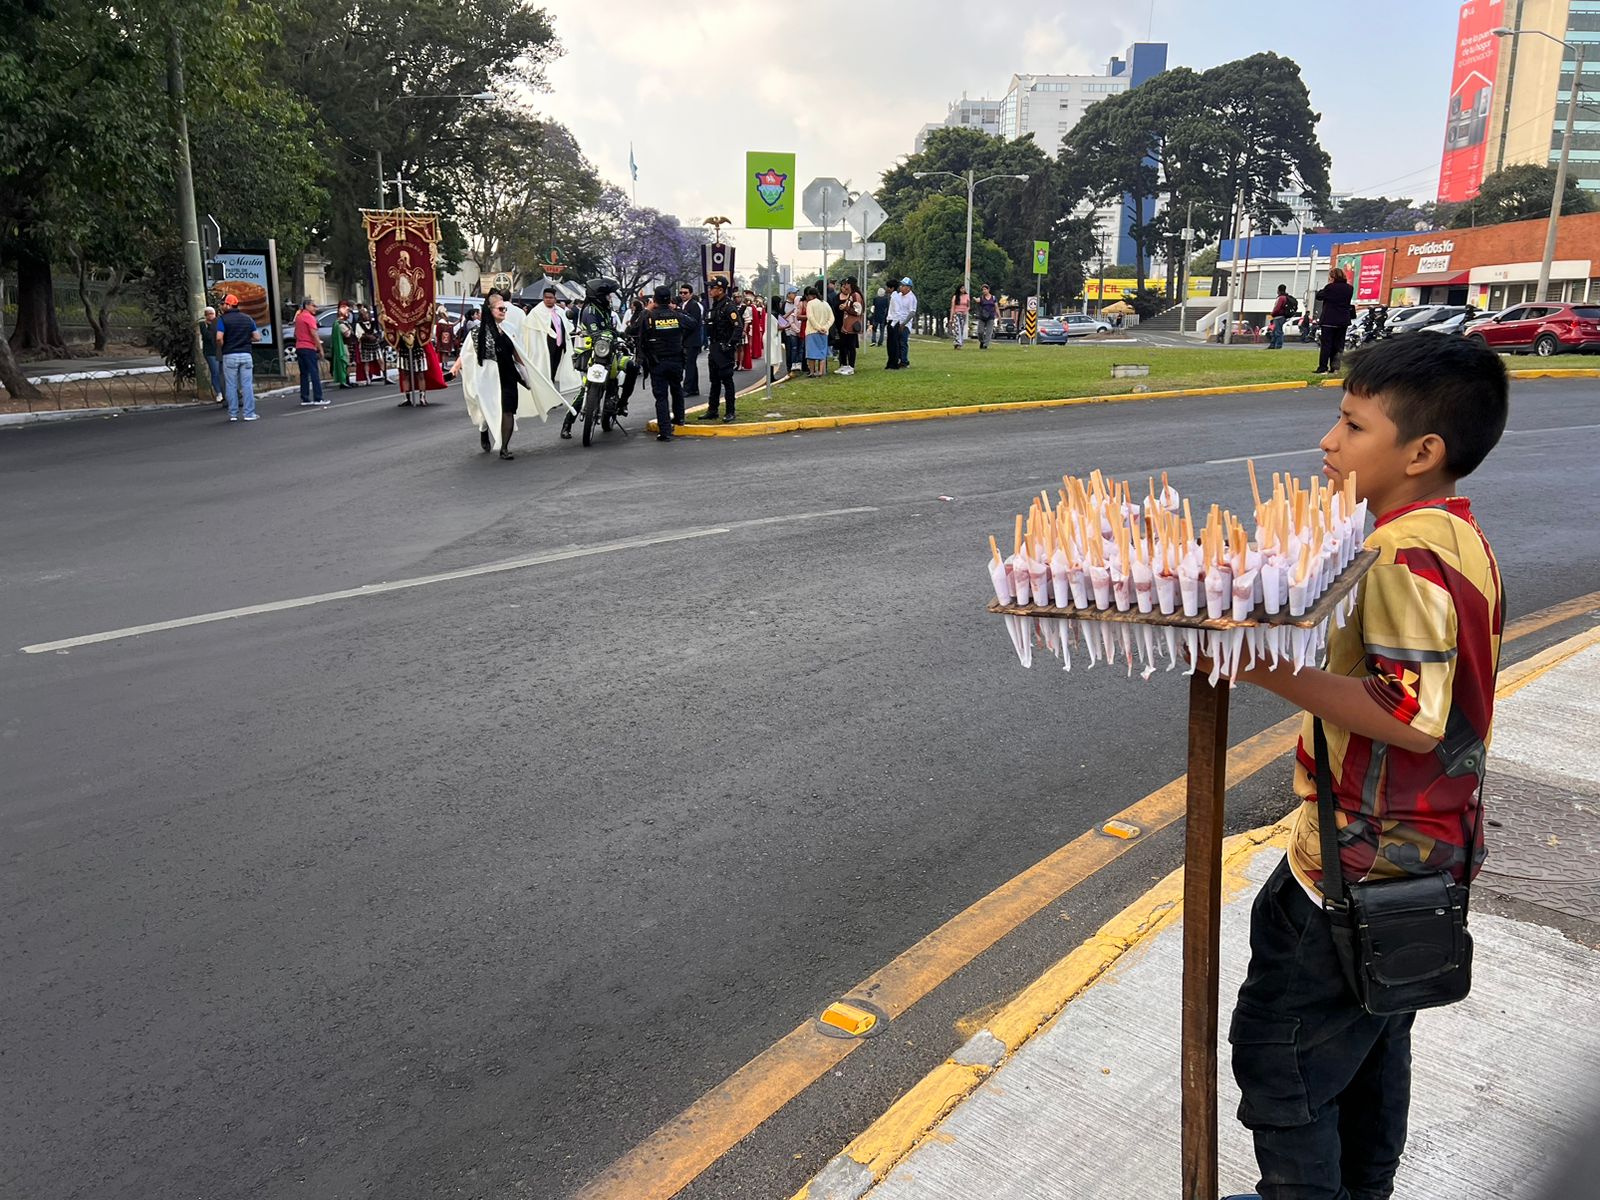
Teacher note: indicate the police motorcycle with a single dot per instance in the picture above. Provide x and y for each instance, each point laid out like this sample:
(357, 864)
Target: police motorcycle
(601, 355)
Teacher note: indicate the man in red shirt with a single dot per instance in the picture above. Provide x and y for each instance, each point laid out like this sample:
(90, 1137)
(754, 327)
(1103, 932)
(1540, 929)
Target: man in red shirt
(308, 353)
(1280, 314)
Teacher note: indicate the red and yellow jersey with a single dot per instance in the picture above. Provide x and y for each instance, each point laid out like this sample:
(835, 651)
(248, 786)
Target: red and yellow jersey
(1425, 637)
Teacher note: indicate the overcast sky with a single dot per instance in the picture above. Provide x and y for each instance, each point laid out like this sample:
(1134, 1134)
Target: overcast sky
(846, 84)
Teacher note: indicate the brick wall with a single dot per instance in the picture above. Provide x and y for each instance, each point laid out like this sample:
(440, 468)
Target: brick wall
(1577, 236)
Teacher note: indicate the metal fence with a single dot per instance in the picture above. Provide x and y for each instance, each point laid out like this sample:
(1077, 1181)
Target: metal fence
(127, 321)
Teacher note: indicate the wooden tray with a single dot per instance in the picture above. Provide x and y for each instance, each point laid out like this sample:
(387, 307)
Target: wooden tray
(1314, 616)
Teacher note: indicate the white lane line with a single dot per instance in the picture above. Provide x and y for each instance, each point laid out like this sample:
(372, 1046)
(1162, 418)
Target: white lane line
(1557, 429)
(399, 585)
(1216, 462)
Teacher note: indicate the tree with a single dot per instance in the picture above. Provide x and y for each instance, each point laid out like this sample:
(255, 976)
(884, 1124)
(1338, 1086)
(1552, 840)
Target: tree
(1374, 214)
(519, 190)
(1200, 138)
(647, 246)
(1519, 193)
(1013, 214)
(104, 88)
(930, 246)
(370, 69)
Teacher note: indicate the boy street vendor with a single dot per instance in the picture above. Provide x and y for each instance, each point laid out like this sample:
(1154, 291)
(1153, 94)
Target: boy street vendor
(1326, 1083)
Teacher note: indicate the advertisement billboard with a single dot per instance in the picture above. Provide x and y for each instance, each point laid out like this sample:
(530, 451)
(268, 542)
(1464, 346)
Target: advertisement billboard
(1466, 127)
(1369, 278)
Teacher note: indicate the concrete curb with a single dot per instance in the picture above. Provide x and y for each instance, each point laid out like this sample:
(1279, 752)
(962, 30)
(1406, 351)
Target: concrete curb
(845, 421)
(866, 1161)
(49, 416)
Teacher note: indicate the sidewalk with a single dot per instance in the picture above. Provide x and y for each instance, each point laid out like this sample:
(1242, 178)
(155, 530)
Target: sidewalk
(1088, 1106)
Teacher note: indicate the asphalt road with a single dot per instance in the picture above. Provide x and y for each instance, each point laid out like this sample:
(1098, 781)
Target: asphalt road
(463, 888)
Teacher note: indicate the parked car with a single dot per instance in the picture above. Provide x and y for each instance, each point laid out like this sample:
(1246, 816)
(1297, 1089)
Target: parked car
(1082, 324)
(1544, 328)
(1412, 319)
(1006, 328)
(1053, 331)
(1458, 321)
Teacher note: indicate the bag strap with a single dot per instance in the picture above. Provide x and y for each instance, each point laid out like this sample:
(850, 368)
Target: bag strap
(1333, 889)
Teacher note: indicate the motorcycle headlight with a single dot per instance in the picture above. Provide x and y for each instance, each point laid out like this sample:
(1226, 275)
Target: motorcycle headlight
(602, 347)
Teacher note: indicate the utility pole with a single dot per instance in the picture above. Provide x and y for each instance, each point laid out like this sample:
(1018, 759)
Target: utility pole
(1233, 286)
(1561, 175)
(188, 221)
(1183, 271)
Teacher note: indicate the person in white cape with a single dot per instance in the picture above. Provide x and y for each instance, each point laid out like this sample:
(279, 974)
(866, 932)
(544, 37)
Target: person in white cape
(497, 390)
(548, 346)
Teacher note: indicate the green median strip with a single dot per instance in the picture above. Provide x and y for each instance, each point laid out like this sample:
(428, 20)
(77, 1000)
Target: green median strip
(943, 377)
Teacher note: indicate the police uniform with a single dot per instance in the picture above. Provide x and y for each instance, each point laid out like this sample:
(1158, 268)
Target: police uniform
(661, 343)
(725, 332)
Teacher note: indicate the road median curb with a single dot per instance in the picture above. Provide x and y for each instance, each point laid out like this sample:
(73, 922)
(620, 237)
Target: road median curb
(846, 420)
(867, 1160)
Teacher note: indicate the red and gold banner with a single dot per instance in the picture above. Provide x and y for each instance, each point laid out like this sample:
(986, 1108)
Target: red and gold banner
(404, 249)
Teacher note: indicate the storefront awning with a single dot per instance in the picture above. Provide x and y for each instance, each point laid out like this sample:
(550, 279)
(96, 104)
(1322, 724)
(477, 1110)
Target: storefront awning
(1434, 279)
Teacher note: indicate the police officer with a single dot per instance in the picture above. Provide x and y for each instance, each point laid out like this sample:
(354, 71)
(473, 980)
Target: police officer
(661, 342)
(594, 315)
(724, 330)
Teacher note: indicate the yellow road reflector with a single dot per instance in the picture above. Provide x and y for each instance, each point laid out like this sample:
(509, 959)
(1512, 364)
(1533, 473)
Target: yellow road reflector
(1121, 829)
(847, 1017)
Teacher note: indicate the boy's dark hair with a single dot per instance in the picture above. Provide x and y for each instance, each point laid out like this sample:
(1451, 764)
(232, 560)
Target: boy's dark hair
(1435, 383)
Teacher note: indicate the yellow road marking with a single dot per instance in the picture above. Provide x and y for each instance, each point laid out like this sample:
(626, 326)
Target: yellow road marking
(672, 1157)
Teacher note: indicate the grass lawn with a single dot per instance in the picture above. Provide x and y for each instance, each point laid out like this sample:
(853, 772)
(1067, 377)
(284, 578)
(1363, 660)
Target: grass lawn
(941, 376)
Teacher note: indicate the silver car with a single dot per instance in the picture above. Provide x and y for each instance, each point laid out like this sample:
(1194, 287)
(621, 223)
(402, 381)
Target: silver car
(1082, 324)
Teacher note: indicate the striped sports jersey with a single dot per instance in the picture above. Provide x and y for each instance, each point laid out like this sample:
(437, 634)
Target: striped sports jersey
(1425, 637)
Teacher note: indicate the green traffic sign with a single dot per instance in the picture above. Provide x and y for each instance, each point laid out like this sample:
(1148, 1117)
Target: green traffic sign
(1041, 258)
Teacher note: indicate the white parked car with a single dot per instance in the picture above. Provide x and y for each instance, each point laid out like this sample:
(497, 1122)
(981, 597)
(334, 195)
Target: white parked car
(1083, 324)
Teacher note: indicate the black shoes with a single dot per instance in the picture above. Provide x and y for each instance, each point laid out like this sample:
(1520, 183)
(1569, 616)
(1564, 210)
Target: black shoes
(507, 455)
(663, 437)
(483, 440)
(728, 420)
(708, 415)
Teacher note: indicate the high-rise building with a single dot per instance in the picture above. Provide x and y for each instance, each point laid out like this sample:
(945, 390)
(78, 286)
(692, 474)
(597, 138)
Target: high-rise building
(1508, 96)
(1047, 106)
(982, 115)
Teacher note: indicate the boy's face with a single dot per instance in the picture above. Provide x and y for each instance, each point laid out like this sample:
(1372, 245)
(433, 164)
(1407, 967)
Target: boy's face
(1365, 440)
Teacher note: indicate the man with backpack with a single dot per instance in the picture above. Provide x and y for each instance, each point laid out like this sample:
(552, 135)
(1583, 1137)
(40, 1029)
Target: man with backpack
(1283, 308)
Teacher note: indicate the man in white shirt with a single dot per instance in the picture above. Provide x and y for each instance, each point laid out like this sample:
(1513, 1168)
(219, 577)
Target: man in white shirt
(902, 310)
(551, 321)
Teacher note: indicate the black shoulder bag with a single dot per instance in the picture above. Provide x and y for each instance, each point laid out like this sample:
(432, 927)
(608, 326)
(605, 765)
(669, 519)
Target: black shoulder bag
(1403, 943)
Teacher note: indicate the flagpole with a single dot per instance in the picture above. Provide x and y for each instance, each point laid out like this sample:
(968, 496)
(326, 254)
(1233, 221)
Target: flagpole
(633, 172)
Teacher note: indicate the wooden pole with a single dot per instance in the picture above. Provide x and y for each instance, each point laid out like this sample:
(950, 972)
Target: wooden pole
(1202, 919)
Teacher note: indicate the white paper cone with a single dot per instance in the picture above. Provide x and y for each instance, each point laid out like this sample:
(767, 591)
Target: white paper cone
(1001, 581)
(1021, 579)
(1078, 582)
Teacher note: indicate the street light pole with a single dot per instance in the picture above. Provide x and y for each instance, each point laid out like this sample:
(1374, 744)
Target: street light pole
(972, 188)
(1543, 292)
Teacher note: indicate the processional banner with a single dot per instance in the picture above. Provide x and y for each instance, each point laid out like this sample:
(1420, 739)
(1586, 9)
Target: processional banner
(404, 249)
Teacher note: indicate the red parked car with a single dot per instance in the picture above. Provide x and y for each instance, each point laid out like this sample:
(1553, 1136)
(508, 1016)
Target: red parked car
(1544, 328)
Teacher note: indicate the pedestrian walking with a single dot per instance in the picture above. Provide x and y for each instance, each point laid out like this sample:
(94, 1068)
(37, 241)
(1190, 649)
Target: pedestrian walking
(693, 315)
(1280, 314)
(661, 341)
(208, 339)
(308, 355)
(1337, 313)
(725, 332)
(1389, 830)
(960, 306)
(491, 371)
(851, 318)
(985, 308)
(880, 315)
(236, 333)
(819, 320)
(902, 312)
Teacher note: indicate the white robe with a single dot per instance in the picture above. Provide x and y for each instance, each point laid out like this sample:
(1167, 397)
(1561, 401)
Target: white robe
(480, 381)
(537, 328)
